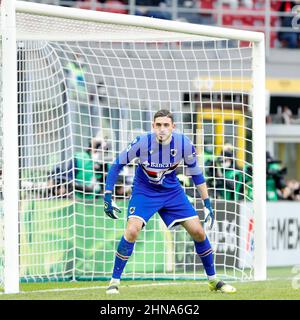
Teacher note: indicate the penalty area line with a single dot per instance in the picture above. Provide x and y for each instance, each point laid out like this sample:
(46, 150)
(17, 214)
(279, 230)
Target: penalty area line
(123, 286)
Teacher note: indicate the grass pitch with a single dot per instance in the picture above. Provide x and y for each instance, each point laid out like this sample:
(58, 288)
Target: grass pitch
(282, 284)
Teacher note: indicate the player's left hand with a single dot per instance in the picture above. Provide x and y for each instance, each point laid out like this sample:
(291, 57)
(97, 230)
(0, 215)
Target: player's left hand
(110, 207)
(209, 212)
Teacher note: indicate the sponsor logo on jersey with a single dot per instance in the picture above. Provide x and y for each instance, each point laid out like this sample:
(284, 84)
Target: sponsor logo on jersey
(157, 171)
(161, 165)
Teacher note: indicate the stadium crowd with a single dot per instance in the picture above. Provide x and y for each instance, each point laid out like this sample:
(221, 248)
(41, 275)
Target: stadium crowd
(276, 20)
(86, 173)
(284, 115)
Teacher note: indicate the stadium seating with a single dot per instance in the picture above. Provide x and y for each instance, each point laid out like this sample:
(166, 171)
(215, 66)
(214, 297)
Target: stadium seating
(114, 6)
(254, 21)
(251, 16)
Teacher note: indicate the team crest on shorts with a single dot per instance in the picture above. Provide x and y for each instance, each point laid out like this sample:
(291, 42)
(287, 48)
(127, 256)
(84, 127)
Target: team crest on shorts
(131, 210)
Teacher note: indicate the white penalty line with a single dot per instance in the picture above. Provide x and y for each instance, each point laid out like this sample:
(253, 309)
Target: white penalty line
(105, 287)
(192, 282)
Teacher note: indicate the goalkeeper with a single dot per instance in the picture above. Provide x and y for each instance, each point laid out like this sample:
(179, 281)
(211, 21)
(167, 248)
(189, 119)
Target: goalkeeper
(157, 189)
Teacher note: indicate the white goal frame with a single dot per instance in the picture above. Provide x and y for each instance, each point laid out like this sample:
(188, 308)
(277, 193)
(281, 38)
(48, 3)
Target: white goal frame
(10, 124)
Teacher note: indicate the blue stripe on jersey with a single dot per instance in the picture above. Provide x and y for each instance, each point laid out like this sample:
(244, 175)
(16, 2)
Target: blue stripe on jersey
(158, 163)
(149, 147)
(193, 165)
(160, 153)
(172, 148)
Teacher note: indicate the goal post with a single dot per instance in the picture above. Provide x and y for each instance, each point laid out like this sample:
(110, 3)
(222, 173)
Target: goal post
(77, 87)
(9, 137)
(259, 156)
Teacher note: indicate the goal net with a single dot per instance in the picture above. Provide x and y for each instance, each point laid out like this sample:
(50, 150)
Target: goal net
(88, 83)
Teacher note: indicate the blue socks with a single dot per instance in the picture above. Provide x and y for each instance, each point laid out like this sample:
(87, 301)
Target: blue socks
(125, 249)
(123, 253)
(205, 253)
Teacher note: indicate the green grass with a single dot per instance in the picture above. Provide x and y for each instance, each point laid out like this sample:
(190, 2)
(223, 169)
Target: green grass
(278, 286)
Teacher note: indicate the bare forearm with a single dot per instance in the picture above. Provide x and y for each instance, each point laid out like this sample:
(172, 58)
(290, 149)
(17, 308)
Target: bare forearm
(202, 189)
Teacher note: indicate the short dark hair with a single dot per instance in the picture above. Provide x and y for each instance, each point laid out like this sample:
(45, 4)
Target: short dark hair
(163, 113)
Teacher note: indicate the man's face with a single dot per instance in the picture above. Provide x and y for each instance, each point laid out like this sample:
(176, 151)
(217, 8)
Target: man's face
(163, 127)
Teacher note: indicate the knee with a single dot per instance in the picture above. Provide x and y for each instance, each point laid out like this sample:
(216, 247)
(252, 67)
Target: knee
(132, 231)
(199, 235)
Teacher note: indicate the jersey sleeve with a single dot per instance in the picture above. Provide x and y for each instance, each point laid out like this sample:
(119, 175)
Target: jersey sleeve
(130, 153)
(191, 162)
(125, 157)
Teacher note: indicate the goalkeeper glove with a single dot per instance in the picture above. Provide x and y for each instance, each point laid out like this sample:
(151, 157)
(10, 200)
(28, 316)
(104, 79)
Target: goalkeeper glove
(110, 207)
(209, 213)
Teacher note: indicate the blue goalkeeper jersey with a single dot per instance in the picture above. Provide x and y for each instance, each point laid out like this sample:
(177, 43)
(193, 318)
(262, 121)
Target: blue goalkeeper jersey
(157, 163)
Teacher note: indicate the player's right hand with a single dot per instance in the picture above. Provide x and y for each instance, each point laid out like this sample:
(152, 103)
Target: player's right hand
(110, 207)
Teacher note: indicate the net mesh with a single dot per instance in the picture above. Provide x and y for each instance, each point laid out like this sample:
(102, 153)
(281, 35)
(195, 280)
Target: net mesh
(31, 26)
(81, 102)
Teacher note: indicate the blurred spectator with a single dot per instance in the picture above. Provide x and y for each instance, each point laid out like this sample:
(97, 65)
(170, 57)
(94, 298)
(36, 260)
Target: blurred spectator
(224, 175)
(276, 185)
(287, 116)
(206, 17)
(114, 6)
(277, 117)
(84, 174)
(288, 39)
(293, 190)
(101, 166)
(89, 170)
(161, 13)
(124, 183)
(268, 119)
(247, 4)
(231, 172)
(75, 74)
(193, 17)
(58, 183)
(232, 4)
(68, 3)
(259, 4)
